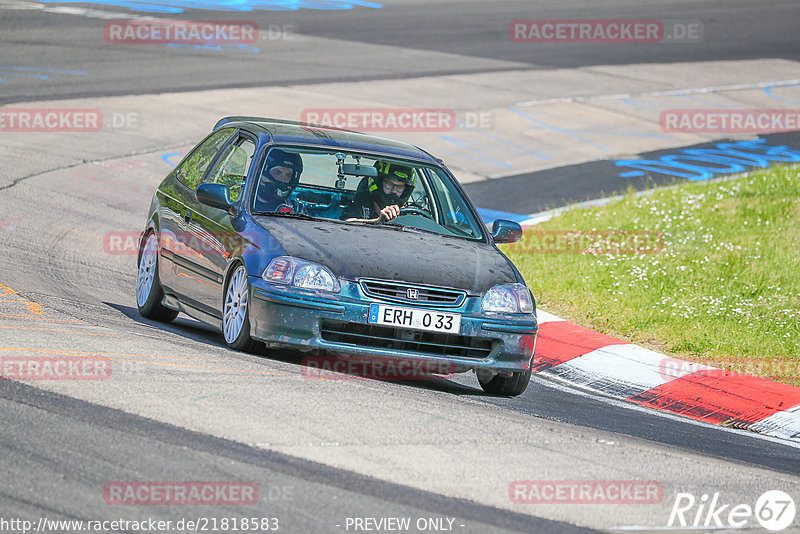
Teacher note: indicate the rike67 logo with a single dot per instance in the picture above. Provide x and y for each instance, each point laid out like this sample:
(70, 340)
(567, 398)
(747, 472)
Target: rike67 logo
(774, 510)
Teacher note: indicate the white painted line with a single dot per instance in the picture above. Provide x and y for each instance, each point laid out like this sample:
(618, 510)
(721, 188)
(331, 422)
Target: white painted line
(562, 385)
(785, 424)
(623, 370)
(671, 92)
(79, 11)
(97, 13)
(544, 317)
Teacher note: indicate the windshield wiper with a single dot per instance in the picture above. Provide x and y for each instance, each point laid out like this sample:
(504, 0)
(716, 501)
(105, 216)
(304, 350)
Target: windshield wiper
(420, 230)
(291, 215)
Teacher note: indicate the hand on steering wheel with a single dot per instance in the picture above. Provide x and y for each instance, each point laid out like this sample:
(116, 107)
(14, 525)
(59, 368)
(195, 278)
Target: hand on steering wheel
(411, 210)
(389, 212)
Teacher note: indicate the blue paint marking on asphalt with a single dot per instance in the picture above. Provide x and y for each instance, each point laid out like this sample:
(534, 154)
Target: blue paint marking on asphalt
(641, 104)
(444, 151)
(217, 47)
(618, 131)
(768, 90)
(178, 6)
(705, 101)
(485, 157)
(520, 149)
(166, 157)
(490, 216)
(8, 69)
(565, 131)
(696, 164)
(26, 75)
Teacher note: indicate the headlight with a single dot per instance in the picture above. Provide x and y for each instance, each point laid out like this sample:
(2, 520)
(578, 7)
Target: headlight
(300, 273)
(508, 298)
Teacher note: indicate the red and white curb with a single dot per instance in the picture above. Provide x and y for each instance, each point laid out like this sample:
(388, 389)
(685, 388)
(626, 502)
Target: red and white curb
(601, 363)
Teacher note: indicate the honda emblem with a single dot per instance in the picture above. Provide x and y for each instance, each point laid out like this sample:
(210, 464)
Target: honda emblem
(412, 293)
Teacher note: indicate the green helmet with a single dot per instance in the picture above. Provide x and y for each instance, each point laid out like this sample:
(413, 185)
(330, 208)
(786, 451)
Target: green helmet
(394, 171)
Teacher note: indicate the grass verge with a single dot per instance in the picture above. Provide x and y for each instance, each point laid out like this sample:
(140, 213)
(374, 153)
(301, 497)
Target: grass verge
(706, 272)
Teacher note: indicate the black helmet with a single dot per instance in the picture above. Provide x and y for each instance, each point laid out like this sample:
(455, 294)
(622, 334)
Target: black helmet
(396, 172)
(280, 158)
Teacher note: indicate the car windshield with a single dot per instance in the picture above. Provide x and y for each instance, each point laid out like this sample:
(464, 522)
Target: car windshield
(350, 187)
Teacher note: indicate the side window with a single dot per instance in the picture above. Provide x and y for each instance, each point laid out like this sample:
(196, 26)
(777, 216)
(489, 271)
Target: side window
(232, 165)
(455, 213)
(419, 197)
(194, 167)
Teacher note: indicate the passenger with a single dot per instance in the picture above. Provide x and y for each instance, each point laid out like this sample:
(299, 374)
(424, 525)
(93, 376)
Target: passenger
(279, 177)
(380, 198)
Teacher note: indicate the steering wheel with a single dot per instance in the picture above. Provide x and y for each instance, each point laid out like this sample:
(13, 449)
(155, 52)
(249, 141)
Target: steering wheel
(411, 210)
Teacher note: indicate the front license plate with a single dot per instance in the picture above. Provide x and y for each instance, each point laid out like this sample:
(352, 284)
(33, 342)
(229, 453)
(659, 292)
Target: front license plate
(434, 321)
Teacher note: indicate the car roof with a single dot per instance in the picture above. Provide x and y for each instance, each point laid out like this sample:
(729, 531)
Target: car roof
(293, 132)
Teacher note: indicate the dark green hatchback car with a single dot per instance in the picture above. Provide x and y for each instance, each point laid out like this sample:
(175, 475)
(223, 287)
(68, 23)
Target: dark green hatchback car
(279, 233)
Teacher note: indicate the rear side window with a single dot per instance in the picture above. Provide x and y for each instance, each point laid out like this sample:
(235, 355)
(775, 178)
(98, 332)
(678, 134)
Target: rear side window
(194, 167)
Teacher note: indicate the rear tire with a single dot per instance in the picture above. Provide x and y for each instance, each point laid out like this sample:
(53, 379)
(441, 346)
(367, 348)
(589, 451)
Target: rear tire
(506, 386)
(149, 292)
(236, 312)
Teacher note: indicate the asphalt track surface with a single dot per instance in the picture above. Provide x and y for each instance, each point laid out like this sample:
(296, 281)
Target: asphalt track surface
(571, 184)
(59, 448)
(470, 28)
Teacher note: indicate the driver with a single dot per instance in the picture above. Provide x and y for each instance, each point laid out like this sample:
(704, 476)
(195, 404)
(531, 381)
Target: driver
(382, 196)
(279, 177)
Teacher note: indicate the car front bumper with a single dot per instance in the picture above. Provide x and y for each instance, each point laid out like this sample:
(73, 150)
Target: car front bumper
(338, 324)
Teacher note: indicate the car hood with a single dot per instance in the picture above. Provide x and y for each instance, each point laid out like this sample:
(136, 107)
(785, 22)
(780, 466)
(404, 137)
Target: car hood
(354, 251)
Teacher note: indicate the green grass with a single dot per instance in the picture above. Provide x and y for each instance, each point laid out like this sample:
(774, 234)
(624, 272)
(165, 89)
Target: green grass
(724, 290)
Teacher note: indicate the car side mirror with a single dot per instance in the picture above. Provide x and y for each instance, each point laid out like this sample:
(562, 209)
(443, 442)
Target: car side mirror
(504, 231)
(216, 196)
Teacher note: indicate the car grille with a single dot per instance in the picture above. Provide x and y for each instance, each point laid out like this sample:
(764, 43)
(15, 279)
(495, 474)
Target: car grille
(398, 291)
(387, 337)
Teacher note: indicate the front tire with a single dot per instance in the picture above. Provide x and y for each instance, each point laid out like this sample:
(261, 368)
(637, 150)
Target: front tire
(236, 312)
(149, 292)
(506, 386)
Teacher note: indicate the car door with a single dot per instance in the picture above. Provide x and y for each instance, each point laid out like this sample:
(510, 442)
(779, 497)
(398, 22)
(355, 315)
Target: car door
(212, 233)
(175, 214)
